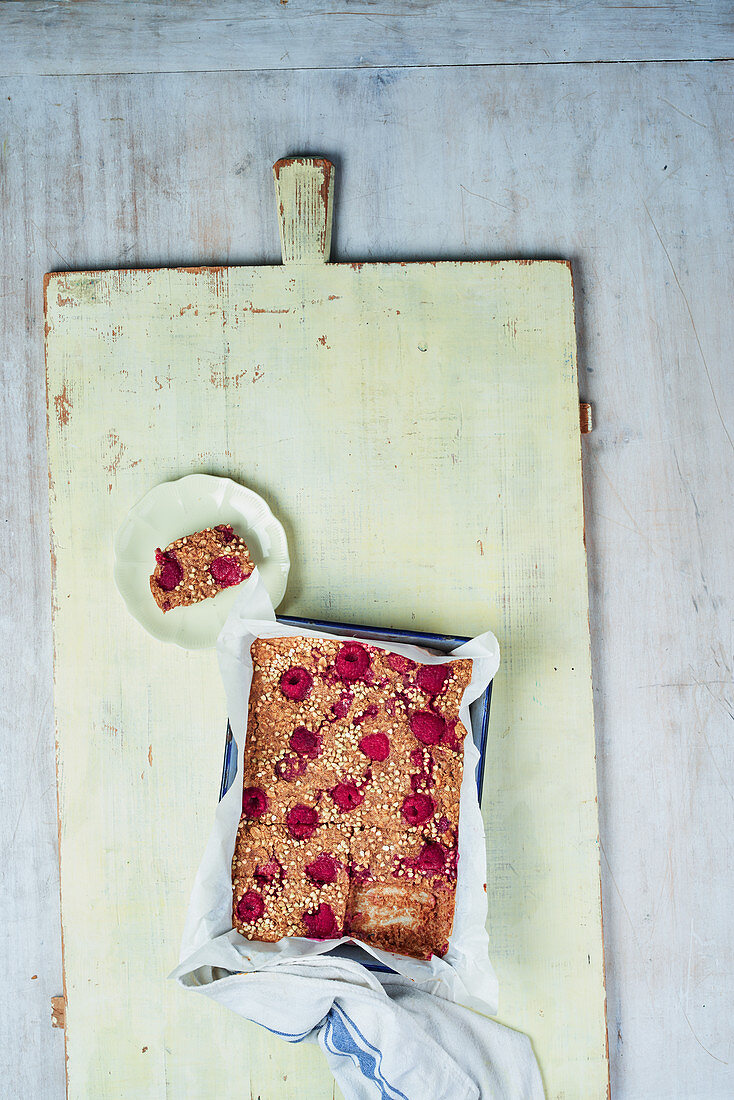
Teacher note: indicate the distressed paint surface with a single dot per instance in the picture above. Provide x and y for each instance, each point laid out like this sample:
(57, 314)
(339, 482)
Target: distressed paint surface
(416, 428)
(304, 192)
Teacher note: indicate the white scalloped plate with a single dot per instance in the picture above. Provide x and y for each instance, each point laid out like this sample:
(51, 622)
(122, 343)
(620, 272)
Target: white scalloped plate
(177, 508)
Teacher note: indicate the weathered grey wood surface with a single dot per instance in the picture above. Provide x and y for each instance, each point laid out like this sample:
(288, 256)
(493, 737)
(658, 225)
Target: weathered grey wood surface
(91, 36)
(627, 170)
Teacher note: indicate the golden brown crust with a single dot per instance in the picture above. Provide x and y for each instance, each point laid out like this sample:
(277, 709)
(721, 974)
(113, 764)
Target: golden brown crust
(198, 566)
(356, 747)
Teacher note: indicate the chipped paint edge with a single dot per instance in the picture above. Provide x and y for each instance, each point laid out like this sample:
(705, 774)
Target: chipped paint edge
(46, 284)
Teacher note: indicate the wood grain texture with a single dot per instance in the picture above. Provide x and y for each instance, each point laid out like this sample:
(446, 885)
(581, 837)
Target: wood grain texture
(99, 36)
(304, 200)
(626, 169)
(394, 414)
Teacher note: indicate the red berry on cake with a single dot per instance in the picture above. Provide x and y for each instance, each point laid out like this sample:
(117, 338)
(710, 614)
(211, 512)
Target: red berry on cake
(290, 767)
(417, 809)
(322, 924)
(347, 796)
(352, 662)
(254, 802)
(340, 708)
(170, 573)
(432, 678)
(322, 870)
(226, 571)
(296, 683)
(270, 872)
(250, 907)
(432, 858)
(427, 727)
(305, 742)
(376, 746)
(302, 821)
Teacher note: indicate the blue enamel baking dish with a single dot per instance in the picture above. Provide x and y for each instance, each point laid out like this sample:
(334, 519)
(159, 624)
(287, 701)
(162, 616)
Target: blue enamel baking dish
(436, 643)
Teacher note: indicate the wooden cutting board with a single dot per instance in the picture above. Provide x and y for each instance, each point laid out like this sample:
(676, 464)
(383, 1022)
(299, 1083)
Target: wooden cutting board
(416, 428)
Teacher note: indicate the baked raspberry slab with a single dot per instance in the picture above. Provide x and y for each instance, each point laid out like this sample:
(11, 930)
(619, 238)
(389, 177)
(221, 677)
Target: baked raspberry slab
(346, 739)
(197, 566)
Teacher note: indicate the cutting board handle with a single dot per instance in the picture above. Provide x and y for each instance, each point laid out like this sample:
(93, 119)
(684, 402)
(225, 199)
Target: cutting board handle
(304, 191)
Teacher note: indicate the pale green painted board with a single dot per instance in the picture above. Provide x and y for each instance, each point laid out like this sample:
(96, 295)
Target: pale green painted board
(416, 429)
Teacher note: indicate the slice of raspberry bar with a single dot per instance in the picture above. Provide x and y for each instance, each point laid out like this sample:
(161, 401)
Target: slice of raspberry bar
(289, 882)
(197, 566)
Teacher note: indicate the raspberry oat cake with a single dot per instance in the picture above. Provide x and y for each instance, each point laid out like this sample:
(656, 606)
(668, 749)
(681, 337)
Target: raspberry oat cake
(350, 807)
(198, 566)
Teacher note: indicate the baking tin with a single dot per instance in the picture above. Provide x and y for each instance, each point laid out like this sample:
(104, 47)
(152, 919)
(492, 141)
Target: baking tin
(434, 643)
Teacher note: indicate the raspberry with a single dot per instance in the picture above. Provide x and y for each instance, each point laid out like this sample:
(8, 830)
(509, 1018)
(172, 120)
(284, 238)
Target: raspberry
(254, 802)
(443, 824)
(347, 796)
(323, 869)
(305, 742)
(352, 661)
(225, 531)
(226, 571)
(171, 572)
(399, 663)
(250, 907)
(427, 727)
(417, 809)
(302, 821)
(358, 874)
(432, 858)
(290, 767)
(371, 712)
(269, 872)
(342, 705)
(321, 924)
(450, 740)
(376, 746)
(432, 678)
(296, 683)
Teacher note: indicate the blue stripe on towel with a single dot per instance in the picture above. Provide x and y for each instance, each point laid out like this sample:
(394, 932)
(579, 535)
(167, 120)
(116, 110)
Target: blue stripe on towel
(340, 1040)
(290, 1037)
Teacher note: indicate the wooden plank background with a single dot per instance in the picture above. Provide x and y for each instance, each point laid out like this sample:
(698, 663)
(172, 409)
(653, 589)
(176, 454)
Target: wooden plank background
(627, 169)
(89, 36)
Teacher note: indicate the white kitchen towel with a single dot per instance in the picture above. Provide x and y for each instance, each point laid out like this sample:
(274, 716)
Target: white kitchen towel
(383, 1038)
